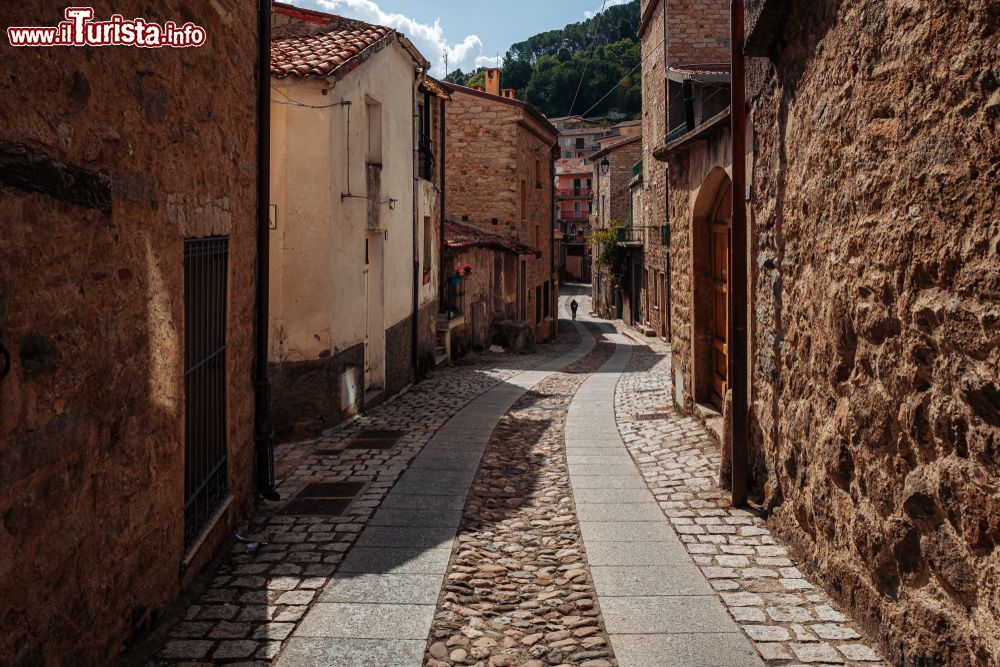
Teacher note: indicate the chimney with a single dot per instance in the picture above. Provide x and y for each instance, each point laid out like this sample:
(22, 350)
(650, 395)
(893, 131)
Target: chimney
(492, 80)
(508, 93)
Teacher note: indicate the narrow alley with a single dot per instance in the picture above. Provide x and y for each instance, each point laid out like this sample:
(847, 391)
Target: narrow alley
(513, 511)
(414, 333)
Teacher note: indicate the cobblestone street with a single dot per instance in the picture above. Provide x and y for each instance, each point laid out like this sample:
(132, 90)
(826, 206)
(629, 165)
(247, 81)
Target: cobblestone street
(513, 511)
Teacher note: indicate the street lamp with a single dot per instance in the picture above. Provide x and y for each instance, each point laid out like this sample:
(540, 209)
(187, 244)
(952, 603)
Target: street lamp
(605, 166)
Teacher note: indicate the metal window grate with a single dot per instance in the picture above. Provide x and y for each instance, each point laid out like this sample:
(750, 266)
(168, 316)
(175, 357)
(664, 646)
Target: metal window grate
(206, 268)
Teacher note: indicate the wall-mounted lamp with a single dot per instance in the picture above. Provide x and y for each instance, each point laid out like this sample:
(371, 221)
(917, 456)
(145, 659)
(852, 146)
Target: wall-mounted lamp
(605, 166)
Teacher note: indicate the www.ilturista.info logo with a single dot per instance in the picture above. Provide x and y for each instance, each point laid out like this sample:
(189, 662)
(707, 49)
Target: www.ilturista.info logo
(79, 29)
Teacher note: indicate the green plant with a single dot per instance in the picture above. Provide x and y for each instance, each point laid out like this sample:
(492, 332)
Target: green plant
(609, 254)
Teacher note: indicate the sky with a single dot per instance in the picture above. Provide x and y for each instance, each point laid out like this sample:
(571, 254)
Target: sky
(471, 32)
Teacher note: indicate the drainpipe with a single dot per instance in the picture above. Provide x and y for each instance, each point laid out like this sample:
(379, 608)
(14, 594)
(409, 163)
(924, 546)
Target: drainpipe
(553, 290)
(415, 328)
(738, 266)
(441, 286)
(263, 435)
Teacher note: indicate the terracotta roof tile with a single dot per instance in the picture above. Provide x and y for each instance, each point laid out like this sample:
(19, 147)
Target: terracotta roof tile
(459, 236)
(325, 53)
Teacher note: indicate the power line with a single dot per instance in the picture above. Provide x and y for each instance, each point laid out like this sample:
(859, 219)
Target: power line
(593, 40)
(624, 78)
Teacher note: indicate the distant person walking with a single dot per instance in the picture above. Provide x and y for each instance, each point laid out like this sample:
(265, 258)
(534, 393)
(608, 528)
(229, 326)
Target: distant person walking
(573, 305)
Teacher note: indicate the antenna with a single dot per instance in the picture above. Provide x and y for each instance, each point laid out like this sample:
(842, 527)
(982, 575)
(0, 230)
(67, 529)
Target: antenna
(445, 65)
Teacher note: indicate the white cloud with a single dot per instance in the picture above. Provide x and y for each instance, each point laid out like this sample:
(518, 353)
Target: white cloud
(610, 3)
(429, 39)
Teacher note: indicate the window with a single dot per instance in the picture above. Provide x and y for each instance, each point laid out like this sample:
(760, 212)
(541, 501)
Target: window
(538, 304)
(567, 155)
(206, 485)
(579, 142)
(538, 174)
(568, 143)
(524, 200)
(545, 300)
(427, 249)
(538, 236)
(374, 112)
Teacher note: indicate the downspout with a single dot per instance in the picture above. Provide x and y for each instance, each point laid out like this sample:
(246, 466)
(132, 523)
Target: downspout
(415, 328)
(738, 266)
(553, 290)
(263, 435)
(441, 286)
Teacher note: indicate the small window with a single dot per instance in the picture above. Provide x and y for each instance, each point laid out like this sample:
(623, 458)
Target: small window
(427, 249)
(374, 112)
(524, 200)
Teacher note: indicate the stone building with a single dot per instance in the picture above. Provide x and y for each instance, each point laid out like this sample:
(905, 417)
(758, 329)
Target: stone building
(481, 285)
(499, 179)
(354, 196)
(574, 206)
(872, 273)
(127, 276)
(874, 345)
(672, 32)
(614, 167)
(697, 150)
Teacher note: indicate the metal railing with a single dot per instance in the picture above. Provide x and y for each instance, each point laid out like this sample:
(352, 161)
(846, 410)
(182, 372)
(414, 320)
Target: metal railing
(636, 235)
(574, 192)
(206, 486)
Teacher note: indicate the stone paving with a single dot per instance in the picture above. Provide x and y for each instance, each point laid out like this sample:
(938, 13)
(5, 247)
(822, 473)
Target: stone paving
(618, 549)
(658, 608)
(518, 591)
(259, 596)
(791, 621)
(377, 611)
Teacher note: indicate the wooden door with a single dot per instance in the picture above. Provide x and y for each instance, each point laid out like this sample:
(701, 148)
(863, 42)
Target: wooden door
(720, 311)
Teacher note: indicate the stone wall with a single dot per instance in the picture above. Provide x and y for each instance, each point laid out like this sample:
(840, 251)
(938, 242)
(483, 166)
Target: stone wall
(308, 396)
(875, 345)
(162, 146)
(494, 148)
(696, 172)
(695, 38)
(653, 211)
(399, 356)
(613, 199)
(481, 162)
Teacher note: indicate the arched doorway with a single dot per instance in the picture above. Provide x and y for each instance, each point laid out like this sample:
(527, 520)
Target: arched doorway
(712, 223)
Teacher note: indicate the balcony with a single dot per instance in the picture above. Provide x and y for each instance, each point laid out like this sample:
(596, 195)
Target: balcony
(637, 236)
(574, 193)
(575, 218)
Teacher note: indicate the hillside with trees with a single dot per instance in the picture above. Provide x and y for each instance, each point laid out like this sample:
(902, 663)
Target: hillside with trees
(546, 69)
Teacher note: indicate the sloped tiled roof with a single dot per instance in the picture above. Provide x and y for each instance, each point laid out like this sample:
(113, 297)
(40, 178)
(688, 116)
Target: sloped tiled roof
(313, 43)
(323, 54)
(434, 87)
(459, 236)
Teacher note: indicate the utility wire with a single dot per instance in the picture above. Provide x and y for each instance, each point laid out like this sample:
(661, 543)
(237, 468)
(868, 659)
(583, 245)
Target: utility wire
(593, 40)
(623, 79)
